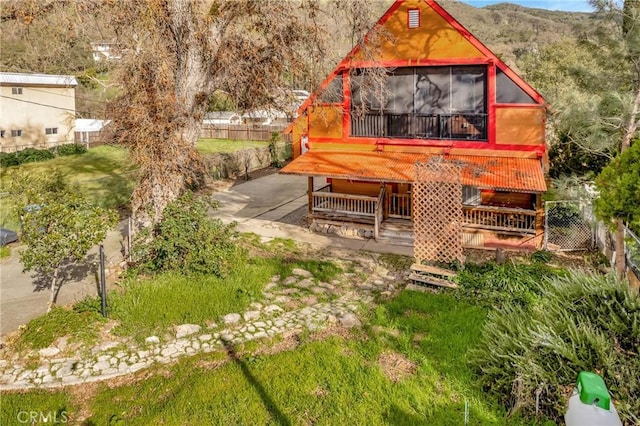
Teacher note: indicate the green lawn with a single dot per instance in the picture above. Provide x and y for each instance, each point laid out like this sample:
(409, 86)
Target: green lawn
(336, 380)
(211, 146)
(104, 173)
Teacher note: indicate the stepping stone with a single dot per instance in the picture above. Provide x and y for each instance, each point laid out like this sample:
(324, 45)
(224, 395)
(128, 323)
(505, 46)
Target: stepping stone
(48, 352)
(231, 318)
(186, 330)
(318, 290)
(302, 273)
(152, 339)
(251, 315)
(306, 283)
(349, 320)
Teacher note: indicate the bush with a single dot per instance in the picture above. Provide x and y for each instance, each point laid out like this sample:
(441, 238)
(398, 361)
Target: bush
(31, 155)
(188, 240)
(8, 159)
(583, 323)
(70, 149)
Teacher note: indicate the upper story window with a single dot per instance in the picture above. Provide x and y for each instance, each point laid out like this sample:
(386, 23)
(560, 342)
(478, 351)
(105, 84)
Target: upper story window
(51, 131)
(3, 133)
(413, 18)
(16, 90)
(444, 102)
(16, 133)
(332, 93)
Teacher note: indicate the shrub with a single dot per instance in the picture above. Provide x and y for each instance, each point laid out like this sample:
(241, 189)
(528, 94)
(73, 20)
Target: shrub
(188, 240)
(583, 323)
(31, 155)
(496, 285)
(70, 149)
(8, 159)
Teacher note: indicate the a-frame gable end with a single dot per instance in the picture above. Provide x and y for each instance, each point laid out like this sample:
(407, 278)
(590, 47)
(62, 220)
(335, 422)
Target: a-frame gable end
(401, 40)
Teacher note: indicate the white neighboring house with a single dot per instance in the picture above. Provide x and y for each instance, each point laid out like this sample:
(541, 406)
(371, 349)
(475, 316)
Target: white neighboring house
(89, 130)
(105, 51)
(222, 117)
(36, 110)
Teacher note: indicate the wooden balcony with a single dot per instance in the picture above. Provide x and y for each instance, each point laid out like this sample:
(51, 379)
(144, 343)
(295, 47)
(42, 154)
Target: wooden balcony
(460, 126)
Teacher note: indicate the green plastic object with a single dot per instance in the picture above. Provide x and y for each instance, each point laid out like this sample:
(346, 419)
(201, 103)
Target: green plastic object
(592, 390)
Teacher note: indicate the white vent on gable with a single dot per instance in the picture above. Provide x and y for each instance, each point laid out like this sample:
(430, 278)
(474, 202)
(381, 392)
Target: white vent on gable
(414, 18)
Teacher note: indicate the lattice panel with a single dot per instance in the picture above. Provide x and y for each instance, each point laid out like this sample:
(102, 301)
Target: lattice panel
(437, 217)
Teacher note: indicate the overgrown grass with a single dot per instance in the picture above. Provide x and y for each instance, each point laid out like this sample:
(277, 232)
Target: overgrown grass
(16, 408)
(212, 146)
(81, 325)
(338, 380)
(103, 173)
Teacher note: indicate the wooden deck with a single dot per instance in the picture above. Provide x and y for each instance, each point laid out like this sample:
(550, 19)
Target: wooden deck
(391, 213)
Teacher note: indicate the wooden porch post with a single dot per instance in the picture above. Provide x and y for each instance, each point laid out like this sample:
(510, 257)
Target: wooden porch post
(539, 214)
(310, 193)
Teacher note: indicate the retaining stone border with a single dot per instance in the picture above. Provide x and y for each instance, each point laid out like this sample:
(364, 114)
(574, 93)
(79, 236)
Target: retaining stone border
(111, 359)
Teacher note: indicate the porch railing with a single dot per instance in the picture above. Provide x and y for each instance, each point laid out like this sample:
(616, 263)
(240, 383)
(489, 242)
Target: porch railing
(399, 206)
(500, 219)
(379, 213)
(331, 202)
(421, 126)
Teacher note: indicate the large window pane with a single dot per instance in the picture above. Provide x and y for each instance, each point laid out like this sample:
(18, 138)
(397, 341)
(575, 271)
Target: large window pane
(468, 90)
(432, 93)
(508, 92)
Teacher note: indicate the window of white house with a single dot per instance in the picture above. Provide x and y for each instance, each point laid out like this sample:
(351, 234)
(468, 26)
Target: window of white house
(3, 133)
(16, 133)
(414, 18)
(51, 131)
(16, 90)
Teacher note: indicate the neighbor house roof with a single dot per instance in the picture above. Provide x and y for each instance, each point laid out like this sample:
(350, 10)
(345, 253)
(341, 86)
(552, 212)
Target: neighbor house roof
(12, 79)
(490, 172)
(89, 124)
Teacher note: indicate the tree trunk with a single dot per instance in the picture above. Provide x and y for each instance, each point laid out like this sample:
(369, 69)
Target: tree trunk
(54, 290)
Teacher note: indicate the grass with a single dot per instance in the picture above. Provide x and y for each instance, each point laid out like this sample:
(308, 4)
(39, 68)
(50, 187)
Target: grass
(150, 306)
(103, 173)
(212, 146)
(17, 407)
(5, 251)
(44, 330)
(337, 380)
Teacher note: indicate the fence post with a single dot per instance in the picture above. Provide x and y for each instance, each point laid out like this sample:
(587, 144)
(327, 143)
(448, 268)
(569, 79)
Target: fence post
(103, 284)
(546, 224)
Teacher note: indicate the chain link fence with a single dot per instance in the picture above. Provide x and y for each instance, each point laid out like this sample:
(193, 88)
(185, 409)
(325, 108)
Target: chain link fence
(569, 226)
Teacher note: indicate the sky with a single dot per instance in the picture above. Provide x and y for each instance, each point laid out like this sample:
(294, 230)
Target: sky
(568, 5)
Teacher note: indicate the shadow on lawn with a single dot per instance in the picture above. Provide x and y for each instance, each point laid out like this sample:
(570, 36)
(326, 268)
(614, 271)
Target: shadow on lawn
(269, 404)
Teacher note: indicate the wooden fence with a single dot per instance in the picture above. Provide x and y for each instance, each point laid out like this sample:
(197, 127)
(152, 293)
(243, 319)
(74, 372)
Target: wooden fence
(248, 132)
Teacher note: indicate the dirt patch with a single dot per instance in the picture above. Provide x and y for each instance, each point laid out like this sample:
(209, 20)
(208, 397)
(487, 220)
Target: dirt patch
(396, 366)
(82, 397)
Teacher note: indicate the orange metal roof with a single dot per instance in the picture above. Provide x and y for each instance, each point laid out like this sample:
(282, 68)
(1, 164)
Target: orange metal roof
(497, 173)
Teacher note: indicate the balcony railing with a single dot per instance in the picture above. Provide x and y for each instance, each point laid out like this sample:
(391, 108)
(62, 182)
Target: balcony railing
(500, 219)
(421, 126)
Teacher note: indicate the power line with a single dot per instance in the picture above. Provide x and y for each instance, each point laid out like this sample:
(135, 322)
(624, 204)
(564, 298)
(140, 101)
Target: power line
(68, 96)
(38, 103)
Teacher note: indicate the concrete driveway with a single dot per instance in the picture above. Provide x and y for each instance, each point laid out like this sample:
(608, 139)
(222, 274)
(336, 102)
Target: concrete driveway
(24, 296)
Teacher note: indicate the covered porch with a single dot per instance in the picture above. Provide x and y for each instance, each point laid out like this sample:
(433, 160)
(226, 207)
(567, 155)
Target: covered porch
(495, 202)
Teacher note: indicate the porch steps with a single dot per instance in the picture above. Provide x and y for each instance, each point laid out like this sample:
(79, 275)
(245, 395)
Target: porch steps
(398, 232)
(425, 274)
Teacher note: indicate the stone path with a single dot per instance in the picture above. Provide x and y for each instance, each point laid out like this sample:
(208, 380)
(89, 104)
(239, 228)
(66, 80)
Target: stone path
(299, 302)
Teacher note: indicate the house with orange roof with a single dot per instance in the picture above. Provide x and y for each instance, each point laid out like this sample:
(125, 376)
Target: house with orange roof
(421, 88)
